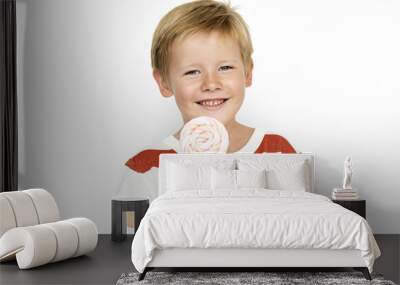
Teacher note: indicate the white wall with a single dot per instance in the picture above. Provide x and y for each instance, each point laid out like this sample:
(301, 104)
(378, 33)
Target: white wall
(327, 77)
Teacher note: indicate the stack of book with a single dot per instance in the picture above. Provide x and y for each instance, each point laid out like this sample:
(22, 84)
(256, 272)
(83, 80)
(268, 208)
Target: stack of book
(344, 194)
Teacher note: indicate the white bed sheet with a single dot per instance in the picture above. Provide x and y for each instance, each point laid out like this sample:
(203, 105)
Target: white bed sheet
(250, 218)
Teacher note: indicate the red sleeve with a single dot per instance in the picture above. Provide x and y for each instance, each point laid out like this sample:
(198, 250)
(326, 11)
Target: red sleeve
(145, 160)
(275, 143)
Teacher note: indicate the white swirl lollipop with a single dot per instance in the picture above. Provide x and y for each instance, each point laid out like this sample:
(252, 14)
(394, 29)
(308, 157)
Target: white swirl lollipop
(205, 135)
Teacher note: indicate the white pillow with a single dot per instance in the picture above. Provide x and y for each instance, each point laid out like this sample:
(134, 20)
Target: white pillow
(282, 174)
(251, 178)
(223, 179)
(293, 177)
(183, 177)
(236, 179)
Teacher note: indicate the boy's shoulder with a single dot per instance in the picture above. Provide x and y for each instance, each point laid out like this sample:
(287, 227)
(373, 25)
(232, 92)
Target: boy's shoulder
(148, 157)
(275, 143)
(261, 141)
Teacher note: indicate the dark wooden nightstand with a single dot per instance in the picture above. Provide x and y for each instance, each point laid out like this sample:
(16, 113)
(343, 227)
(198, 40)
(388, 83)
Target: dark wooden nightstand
(118, 206)
(357, 206)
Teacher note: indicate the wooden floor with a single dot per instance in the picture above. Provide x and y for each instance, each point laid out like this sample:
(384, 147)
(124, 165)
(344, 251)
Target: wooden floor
(111, 259)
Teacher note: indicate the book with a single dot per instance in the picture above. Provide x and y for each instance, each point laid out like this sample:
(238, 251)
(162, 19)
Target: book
(341, 190)
(130, 222)
(346, 199)
(339, 197)
(345, 194)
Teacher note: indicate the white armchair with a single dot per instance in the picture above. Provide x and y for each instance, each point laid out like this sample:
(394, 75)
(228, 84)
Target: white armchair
(31, 230)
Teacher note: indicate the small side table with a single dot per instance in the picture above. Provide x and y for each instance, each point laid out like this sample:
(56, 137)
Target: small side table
(118, 206)
(357, 206)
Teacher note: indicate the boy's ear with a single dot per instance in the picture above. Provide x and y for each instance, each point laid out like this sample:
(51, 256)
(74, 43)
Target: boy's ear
(249, 74)
(162, 84)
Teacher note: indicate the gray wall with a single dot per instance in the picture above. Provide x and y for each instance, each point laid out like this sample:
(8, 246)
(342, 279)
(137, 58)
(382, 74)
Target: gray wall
(326, 77)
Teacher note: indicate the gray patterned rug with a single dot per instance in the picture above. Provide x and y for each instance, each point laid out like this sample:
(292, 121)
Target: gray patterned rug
(269, 278)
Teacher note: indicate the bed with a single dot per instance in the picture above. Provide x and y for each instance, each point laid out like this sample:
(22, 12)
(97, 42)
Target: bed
(244, 211)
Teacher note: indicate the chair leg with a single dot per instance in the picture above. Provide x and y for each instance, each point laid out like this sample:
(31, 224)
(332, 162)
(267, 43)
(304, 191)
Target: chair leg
(142, 275)
(364, 271)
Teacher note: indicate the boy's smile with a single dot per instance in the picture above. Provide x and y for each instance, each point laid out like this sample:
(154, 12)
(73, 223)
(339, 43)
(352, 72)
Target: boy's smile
(212, 104)
(206, 76)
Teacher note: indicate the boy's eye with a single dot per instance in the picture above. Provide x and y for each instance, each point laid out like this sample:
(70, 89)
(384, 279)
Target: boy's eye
(226, 67)
(192, 72)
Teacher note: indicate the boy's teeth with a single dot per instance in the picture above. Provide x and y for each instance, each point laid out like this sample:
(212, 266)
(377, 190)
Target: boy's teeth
(212, 102)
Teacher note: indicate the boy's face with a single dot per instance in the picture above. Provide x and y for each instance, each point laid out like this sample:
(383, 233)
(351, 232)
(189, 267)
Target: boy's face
(207, 77)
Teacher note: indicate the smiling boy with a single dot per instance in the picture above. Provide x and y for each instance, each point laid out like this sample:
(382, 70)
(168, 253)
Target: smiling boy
(201, 56)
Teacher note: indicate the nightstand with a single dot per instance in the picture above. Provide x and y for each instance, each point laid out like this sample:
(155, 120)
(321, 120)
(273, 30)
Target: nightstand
(119, 206)
(357, 206)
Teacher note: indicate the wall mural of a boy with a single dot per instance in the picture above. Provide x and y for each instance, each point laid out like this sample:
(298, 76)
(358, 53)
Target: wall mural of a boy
(202, 56)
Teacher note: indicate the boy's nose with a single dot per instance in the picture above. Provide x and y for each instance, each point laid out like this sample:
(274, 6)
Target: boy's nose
(211, 83)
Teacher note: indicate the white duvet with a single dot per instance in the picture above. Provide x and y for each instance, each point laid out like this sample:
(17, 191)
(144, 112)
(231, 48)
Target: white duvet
(251, 218)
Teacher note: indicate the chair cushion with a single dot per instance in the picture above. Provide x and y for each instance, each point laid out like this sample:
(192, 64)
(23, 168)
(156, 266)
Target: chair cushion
(7, 216)
(40, 244)
(27, 208)
(23, 208)
(67, 237)
(45, 205)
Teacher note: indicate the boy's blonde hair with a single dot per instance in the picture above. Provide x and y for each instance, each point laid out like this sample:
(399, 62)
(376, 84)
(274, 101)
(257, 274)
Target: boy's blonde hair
(198, 16)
